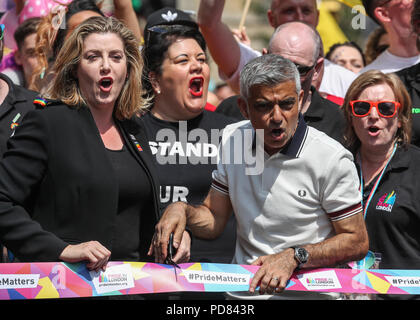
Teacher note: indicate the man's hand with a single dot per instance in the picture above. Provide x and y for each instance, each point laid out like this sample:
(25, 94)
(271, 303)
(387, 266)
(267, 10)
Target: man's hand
(174, 220)
(93, 252)
(276, 270)
(183, 252)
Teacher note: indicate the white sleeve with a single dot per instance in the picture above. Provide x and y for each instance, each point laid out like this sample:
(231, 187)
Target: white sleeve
(341, 197)
(336, 79)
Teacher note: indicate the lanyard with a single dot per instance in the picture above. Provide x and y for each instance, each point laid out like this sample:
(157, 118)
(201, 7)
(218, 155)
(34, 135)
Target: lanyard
(372, 192)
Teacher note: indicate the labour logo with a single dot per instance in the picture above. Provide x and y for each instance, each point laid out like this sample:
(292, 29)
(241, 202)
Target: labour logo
(386, 202)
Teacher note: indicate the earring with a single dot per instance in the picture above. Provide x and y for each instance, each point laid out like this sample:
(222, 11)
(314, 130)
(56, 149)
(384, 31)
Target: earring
(158, 91)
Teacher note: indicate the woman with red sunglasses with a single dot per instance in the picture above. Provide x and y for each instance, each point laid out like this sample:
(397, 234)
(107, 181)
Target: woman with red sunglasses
(377, 108)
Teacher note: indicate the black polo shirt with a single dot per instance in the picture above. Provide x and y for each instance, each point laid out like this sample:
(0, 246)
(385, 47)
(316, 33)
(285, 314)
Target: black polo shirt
(393, 215)
(16, 104)
(322, 114)
(411, 79)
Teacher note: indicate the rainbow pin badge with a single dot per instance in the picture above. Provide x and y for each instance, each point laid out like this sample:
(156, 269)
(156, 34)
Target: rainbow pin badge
(40, 101)
(138, 146)
(14, 123)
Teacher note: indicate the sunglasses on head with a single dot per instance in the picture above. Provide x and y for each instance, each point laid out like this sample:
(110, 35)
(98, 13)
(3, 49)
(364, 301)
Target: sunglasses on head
(1, 31)
(386, 109)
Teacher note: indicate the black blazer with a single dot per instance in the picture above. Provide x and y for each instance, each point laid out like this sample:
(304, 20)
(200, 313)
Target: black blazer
(57, 185)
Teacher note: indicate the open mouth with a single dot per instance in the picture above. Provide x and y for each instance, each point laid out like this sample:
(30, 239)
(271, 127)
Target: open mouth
(196, 86)
(105, 84)
(276, 133)
(373, 131)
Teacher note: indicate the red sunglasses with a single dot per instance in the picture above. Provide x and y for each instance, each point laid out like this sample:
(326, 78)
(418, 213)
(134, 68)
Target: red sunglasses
(386, 109)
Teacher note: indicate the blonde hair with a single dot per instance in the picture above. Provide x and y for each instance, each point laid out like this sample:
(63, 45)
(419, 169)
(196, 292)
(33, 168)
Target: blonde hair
(44, 41)
(369, 79)
(65, 85)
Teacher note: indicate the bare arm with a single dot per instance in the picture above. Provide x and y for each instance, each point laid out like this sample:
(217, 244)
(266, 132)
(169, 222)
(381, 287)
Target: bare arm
(206, 221)
(350, 243)
(124, 11)
(221, 42)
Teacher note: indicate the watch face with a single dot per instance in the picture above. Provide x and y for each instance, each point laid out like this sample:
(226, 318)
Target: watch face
(302, 255)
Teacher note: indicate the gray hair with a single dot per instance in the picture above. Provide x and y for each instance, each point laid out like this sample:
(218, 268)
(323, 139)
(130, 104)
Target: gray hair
(316, 38)
(268, 70)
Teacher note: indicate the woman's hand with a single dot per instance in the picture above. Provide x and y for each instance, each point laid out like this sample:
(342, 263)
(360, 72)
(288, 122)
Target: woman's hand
(93, 252)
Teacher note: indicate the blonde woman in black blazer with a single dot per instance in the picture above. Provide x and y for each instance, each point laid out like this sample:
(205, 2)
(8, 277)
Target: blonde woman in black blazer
(77, 181)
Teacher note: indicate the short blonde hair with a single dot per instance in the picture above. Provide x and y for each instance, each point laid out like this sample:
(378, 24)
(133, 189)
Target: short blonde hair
(372, 78)
(65, 85)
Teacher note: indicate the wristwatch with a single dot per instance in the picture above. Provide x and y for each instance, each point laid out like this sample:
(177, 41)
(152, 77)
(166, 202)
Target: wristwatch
(301, 256)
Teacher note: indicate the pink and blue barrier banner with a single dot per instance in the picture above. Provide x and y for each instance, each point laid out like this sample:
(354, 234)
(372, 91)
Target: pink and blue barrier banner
(63, 280)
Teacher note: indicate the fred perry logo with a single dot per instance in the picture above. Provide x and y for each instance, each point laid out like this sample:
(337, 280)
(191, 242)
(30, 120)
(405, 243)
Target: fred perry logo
(302, 193)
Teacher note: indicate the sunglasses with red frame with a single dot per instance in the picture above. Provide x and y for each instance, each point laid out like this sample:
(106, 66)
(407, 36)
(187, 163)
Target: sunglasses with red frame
(386, 109)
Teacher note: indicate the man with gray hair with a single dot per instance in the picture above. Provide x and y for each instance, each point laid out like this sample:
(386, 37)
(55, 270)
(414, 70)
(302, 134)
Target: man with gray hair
(302, 211)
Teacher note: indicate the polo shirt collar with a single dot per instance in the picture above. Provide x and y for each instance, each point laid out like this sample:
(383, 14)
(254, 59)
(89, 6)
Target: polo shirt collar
(293, 148)
(401, 158)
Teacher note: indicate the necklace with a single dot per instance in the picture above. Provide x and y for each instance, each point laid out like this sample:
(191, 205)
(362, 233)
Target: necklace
(375, 186)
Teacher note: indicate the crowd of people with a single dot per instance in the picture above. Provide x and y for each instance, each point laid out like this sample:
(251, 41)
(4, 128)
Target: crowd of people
(111, 141)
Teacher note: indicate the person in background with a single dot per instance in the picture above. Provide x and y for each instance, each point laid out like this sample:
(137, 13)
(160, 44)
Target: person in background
(231, 55)
(348, 55)
(411, 80)
(300, 209)
(78, 180)
(301, 43)
(223, 91)
(376, 43)
(395, 17)
(15, 102)
(378, 130)
(24, 56)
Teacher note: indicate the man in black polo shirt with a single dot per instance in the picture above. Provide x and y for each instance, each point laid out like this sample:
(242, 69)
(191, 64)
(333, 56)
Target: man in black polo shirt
(411, 79)
(15, 101)
(301, 44)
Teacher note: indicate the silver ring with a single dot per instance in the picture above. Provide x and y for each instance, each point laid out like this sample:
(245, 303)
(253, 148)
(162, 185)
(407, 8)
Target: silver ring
(275, 278)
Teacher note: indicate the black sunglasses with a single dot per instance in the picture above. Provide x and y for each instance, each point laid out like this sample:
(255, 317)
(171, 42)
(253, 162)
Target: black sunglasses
(304, 70)
(161, 29)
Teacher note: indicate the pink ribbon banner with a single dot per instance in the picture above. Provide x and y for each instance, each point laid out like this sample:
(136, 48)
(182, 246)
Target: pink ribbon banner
(63, 280)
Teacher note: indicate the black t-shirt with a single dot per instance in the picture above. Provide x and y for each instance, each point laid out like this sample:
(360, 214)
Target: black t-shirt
(186, 155)
(16, 104)
(134, 197)
(322, 114)
(411, 79)
(393, 215)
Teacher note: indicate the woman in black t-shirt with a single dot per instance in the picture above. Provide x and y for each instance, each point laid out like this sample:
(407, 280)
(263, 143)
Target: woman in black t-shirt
(377, 108)
(183, 135)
